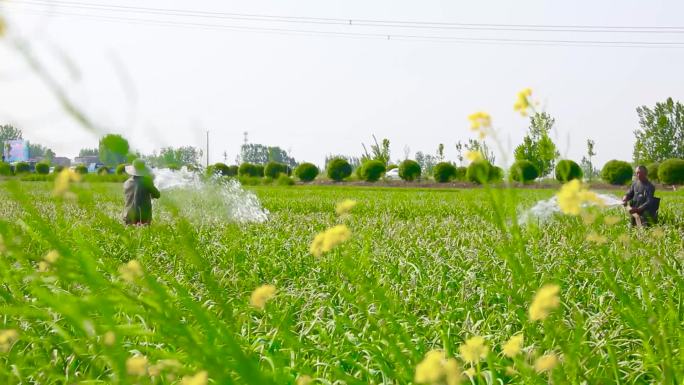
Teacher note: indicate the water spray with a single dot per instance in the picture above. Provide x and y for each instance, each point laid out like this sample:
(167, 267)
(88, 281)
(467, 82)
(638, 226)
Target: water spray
(543, 210)
(209, 200)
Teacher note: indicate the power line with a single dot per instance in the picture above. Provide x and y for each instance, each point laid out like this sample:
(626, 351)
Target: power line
(376, 35)
(358, 22)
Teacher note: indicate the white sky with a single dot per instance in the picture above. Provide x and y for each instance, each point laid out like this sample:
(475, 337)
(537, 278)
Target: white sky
(317, 95)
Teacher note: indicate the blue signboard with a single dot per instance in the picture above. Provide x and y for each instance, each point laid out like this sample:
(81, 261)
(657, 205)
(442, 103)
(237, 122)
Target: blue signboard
(16, 151)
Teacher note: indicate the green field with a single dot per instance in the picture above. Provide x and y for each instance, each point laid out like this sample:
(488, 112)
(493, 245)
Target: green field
(424, 269)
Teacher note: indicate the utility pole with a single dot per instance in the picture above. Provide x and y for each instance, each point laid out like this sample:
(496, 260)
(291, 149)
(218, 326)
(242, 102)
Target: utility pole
(207, 148)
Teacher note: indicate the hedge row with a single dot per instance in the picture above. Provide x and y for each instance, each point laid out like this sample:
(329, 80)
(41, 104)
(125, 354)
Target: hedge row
(615, 172)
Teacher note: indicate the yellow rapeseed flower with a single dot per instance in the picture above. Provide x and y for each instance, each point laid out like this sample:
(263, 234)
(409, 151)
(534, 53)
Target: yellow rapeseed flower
(109, 338)
(546, 363)
(611, 220)
(161, 365)
(261, 295)
(63, 181)
(51, 257)
(544, 302)
(304, 380)
(470, 372)
(452, 372)
(43, 266)
(430, 370)
(3, 27)
(522, 103)
(596, 238)
(573, 195)
(345, 206)
(437, 369)
(200, 378)
(137, 365)
(480, 122)
(7, 338)
(131, 271)
(473, 349)
(474, 156)
(327, 240)
(513, 346)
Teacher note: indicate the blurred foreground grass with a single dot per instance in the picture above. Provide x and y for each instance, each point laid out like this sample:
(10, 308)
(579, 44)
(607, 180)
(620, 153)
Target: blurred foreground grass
(424, 270)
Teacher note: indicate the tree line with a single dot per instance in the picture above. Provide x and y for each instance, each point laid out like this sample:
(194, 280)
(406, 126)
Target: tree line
(660, 137)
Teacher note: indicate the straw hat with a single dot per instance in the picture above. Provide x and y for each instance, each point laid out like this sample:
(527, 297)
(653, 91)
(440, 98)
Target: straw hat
(138, 168)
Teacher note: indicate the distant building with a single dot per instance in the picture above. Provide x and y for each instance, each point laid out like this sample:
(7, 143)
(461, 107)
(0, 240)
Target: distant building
(61, 161)
(86, 160)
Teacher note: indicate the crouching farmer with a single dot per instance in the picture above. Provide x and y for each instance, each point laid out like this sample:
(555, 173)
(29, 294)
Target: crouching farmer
(643, 205)
(138, 193)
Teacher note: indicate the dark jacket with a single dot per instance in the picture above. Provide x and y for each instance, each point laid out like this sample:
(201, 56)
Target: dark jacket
(138, 193)
(641, 196)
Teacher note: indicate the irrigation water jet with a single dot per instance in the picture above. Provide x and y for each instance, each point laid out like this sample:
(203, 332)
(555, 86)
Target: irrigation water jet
(208, 199)
(543, 210)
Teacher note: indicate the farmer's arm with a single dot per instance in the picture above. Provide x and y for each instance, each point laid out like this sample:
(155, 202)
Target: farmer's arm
(154, 192)
(149, 186)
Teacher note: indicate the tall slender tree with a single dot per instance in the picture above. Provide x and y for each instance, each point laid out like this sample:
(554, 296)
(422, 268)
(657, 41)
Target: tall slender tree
(661, 132)
(537, 146)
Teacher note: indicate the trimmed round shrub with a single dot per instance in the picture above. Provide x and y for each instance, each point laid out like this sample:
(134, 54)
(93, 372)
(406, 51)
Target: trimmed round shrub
(5, 169)
(218, 168)
(120, 169)
(102, 170)
(524, 171)
(81, 169)
(567, 170)
(274, 169)
(58, 168)
(653, 171)
(232, 170)
(339, 169)
(443, 172)
(391, 167)
(478, 172)
(372, 170)
(42, 168)
(617, 172)
(284, 180)
(259, 168)
(496, 174)
(22, 167)
(409, 170)
(461, 174)
(671, 171)
(248, 169)
(306, 172)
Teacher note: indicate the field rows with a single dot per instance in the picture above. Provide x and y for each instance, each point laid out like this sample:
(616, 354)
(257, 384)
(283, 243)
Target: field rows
(423, 270)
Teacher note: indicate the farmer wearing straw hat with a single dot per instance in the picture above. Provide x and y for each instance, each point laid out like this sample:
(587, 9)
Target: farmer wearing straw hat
(643, 205)
(138, 192)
